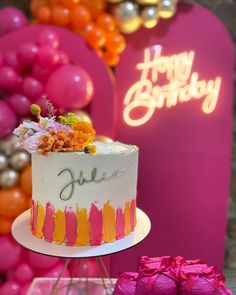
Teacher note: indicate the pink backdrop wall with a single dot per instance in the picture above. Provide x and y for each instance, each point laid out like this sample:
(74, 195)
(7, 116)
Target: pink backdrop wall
(185, 154)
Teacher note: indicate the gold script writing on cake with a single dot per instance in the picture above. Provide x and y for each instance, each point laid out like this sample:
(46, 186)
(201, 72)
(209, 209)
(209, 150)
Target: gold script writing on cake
(94, 177)
(165, 82)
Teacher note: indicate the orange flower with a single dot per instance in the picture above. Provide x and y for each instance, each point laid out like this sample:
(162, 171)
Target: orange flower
(84, 134)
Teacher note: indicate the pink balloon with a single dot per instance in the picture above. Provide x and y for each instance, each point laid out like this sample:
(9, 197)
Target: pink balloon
(11, 60)
(88, 268)
(48, 37)
(10, 288)
(55, 272)
(42, 262)
(1, 59)
(8, 122)
(8, 78)
(70, 87)
(27, 53)
(63, 58)
(19, 104)
(11, 19)
(41, 73)
(32, 88)
(48, 57)
(24, 273)
(25, 289)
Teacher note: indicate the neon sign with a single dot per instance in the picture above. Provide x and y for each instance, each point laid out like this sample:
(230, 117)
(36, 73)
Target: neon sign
(180, 85)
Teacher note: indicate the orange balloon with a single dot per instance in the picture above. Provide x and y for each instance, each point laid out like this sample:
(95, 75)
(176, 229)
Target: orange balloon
(12, 202)
(26, 180)
(5, 225)
(96, 7)
(44, 15)
(110, 58)
(106, 22)
(80, 16)
(60, 16)
(69, 3)
(29, 203)
(115, 42)
(35, 5)
(96, 37)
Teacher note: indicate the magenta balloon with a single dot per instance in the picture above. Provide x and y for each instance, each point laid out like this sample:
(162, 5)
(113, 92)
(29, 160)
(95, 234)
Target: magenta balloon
(8, 122)
(8, 78)
(70, 87)
(32, 88)
(40, 73)
(27, 53)
(11, 19)
(11, 60)
(24, 289)
(63, 58)
(47, 57)
(10, 288)
(54, 273)
(48, 37)
(19, 104)
(10, 251)
(1, 59)
(42, 262)
(24, 273)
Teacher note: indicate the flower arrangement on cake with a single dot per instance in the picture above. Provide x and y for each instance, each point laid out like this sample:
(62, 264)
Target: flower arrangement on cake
(52, 134)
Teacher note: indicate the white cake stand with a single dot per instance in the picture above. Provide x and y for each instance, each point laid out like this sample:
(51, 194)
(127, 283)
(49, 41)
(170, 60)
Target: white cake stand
(22, 234)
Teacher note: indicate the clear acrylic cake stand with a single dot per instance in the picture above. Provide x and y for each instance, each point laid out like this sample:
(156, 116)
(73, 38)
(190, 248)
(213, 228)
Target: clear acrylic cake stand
(22, 234)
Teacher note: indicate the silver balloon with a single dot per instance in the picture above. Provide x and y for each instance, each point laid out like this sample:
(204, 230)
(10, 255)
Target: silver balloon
(149, 16)
(148, 2)
(19, 160)
(3, 162)
(167, 8)
(8, 178)
(127, 16)
(9, 145)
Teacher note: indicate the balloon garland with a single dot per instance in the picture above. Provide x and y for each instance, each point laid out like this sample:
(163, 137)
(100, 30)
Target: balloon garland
(100, 22)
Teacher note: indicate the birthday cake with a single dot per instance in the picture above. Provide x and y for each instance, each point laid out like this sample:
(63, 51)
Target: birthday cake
(84, 192)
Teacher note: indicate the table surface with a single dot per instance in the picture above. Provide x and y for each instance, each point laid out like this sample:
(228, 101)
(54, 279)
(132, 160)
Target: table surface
(231, 280)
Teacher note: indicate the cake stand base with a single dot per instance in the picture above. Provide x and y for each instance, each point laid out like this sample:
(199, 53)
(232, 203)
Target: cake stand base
(22, 234)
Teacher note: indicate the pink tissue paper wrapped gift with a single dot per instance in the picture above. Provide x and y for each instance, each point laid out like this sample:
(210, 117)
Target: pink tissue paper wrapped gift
(200, 279)
(157, 276)
(126, 283)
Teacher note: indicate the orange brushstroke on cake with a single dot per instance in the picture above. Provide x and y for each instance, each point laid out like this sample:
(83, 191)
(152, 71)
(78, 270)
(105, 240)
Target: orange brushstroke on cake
(83, 236)
(109, 223)
(60, 227)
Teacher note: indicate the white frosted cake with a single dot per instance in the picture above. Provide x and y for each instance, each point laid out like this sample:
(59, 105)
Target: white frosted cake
(84, 192)
(81, 199)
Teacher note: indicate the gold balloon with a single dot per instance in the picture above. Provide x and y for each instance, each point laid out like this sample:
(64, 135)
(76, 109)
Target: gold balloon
(167, 9)
(148, 2)
(83, 116)
(103, 138)
(149, 16)
(127, 16)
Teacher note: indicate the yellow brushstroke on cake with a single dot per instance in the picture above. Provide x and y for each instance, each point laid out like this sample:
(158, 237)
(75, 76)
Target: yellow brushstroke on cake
(127, 219)
(83, 232)
(109, 223)
(60, 227)
(40, 221)
(135, 211)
